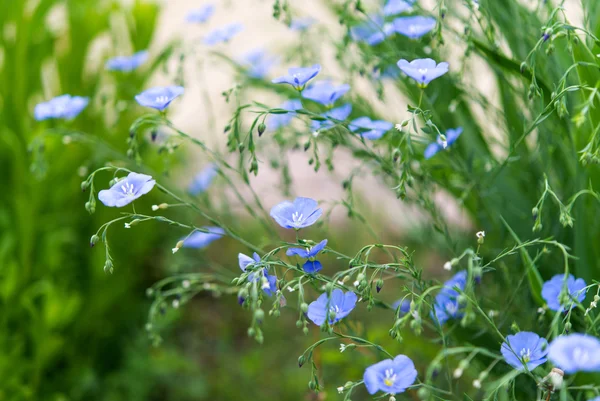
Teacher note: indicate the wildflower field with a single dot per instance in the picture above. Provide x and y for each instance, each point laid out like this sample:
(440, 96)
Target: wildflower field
(284, 199)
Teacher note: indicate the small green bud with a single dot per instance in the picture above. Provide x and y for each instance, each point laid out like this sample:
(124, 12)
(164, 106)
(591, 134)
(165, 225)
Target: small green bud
(84, 186)
(301, 361)
(259, 315)
(305, 330)
(149, 292)
(90, 207)
(304, 307)
(568, 327)
(423, 393)
(523, 67)
(94, 240)
(108, 267)
(261, 128)
(251, 332)
(299, 323)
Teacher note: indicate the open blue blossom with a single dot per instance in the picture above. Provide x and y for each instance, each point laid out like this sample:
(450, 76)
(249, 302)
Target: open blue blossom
(325, 92)
(200, 15)
(127, 190)
(553, 288)
(414, 27)
(423, 70)
(524, 348)
(391, 376)
(301, 24)
(340, 113)
(447, 305)
(433, 148)
(312, 265)
(159, 97)
(271, 286)
(394, 7)
(258, 62)
(127, 63)
(64, 106)
(575, 353)
(203, 179)
(223, 34)
(404, 305)
(298, 76)
(201, 239)
(276, 121)
(334, 309)
(303, 212)
(372, 32)
(370, 129)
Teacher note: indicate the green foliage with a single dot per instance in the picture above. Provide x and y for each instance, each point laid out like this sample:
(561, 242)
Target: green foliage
(65, 325)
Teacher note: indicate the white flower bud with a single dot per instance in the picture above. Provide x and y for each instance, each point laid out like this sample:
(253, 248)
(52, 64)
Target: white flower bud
(477, 383)
(340, 389)
(448, 266)
(458, 373)
(154, 208)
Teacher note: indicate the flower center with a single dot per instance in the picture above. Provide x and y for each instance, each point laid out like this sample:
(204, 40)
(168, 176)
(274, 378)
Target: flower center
(525, 355)
(581, 356)
(297, 217)
(127, 188)
(390, 377)
(162, 99)
(422, 71)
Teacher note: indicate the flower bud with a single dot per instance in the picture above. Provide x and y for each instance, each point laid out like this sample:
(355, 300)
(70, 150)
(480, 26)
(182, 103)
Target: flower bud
(108, 267)
(301, 361)
(523, 67)
(84, 186)
(305, 331)
(94, 240)
(568, 327)
(423, 393)
(379, 285)
(261, 128)
(304, 307)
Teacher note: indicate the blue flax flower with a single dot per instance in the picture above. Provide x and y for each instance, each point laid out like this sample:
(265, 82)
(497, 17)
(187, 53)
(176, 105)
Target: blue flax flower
(334, 309)
(575, 353)
(553, 288)
(200, 15)
(394, 7)
(127, 63)
(276, 121)
(447, 305)
(423, 70)
(127, 190)
(159, 97)
(524, 348)
(372, 32)
(298, 76)
(414, 27)
(391, 376)
(258, 63)
(245, 261)
(433, 148)
(301, 24)
(201, 239)
(370, 129)
(64, 106)
(404, 305)
(340, 113)
(303, 212)
(223, 34)
(325, 92)
(203, 179)
(311, 266)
